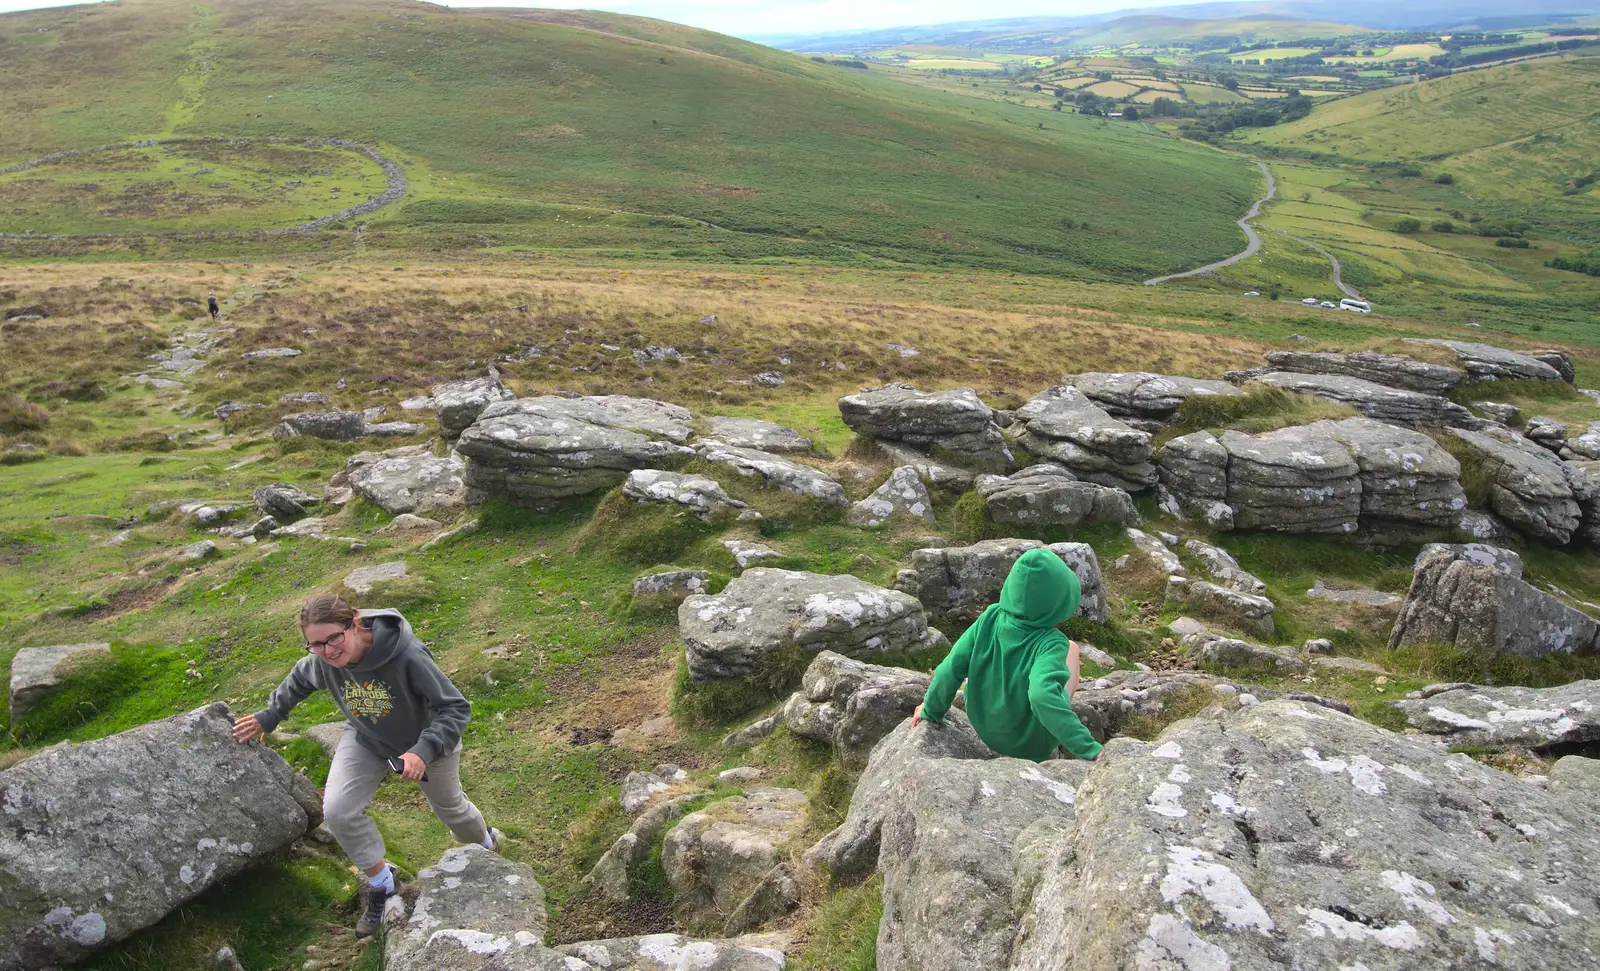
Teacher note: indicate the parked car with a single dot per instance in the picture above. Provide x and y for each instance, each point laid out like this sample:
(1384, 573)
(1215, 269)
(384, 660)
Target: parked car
(1310, 301)
(1329, 305)
(1252, 293)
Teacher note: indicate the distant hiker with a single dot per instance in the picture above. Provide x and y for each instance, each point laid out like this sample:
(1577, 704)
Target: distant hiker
(1020, 671)
(216, 311)
(403, 714)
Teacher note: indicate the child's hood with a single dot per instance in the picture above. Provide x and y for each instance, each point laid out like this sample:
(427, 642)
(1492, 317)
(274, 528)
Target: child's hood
(1041, 590)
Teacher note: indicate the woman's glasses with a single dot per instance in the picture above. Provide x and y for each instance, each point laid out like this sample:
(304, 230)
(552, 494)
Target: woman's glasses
(317, 647)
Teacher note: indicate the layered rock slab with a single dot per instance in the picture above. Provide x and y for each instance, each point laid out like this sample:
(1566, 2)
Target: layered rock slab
(761, 435)
(1391, 370)
(1049, 495)
(956, 583)
(902, 494)
(1457, 598)
(1144, 398)
(1531, 489)
(177, 807)
(776, 471)
(1289, 836)
(729, 857)
(1372, 400)
(851, 705)
(459, 403)
(955, 421)
(1485, 362)
(1063, 425)
(1537, 719)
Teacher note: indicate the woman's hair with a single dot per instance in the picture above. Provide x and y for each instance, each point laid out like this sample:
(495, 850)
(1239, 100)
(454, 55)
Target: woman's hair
(326, 608)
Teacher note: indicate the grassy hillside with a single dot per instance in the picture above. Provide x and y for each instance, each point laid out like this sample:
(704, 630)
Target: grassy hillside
(599, 133)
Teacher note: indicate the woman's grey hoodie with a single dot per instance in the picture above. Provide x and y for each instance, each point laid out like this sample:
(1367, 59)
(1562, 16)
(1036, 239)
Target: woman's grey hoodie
(396, 698)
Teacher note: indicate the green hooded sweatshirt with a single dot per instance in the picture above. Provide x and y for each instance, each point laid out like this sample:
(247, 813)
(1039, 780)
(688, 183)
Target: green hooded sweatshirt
(1015, 664)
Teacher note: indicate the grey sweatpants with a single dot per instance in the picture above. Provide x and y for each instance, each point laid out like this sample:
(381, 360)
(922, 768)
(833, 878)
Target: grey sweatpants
(353, 781)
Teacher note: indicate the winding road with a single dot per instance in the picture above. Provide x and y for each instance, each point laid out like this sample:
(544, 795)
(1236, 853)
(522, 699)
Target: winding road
(1338, 281)
(1249, 232)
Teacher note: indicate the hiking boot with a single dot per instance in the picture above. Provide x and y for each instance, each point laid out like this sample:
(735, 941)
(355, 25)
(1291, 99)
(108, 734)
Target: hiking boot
(372, 904)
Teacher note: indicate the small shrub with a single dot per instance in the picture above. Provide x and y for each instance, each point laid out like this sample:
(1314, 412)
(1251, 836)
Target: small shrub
(1509, 242)
(1444, 178)
(640, 533)
(1443, 226)
(1407, 225)
(143, 442)
(18, 414)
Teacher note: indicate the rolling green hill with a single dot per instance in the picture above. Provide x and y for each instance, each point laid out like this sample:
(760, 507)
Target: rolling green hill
(599, 133)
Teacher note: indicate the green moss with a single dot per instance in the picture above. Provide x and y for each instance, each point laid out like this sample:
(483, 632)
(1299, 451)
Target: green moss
(641, 533)
(719, 703)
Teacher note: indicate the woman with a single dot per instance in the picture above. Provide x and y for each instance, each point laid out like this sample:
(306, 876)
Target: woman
(1020, 671)
(403, 714)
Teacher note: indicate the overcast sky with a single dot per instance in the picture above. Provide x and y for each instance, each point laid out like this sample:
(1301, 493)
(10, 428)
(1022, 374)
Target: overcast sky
(753, 17)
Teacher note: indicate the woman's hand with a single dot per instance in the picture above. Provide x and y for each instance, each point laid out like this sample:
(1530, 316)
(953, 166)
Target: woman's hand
(415, 767)
(246, 729)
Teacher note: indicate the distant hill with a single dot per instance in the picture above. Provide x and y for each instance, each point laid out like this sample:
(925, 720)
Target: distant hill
(603, 133)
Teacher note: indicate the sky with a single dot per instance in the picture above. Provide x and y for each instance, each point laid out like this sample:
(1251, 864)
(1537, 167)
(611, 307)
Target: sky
(749, 18)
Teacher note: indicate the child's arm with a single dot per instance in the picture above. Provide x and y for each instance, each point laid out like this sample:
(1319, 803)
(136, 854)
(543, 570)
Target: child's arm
(449, 709)
(1047, 694)
(1073, 663)
(297, 687)
(947, 678)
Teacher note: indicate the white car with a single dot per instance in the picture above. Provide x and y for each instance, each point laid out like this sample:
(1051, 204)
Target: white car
(1328, 304)
(1310, 301)
(1252, 293)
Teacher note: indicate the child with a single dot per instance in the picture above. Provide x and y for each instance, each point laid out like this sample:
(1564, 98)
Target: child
(1020, 671)
(403, 714)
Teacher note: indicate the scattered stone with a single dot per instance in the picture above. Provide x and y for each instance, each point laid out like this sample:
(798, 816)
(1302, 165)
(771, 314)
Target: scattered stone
(639, 789)
(1145, 397)
(1241, 610)
(744, 775)
(956, 583)
(1230, 653)
(394, 429)
(283, 502)
(776, 471)
(936, 474)
(1546, 433)
(1351, 664)
(1319, 645)
(337, 426)
(261, 527)
(1485, 362)
(1497, 411)
(851, 705)
(764, 436)
(696, 493)
(727, 858)
(751, 733)
(36, 672)
(228, 409)
(1373, 400)
(1322, 590)
(611, 877)
(204, 549)
(1158, 553)
(535, 450)
(902, 493)
(1534, 491)
(418, 403)
(1220, 566)
(204, 514)
(361, 581)
(764, 611)
(312, 526)
(470, 526)
(302, 399)
(1392, 370)
(958, 422)
(177, 808)
(1185, 626)
(1063, 425)
(669, 952)
(408, 480)
(1456, 599)
(270, 352)
(747, 554)
(1536, 719)
(459, 403)
(904, 350)
(472, 906)
(406, 522)
(769, 379)
(670, 588)
(654, 354)
(1048, 495)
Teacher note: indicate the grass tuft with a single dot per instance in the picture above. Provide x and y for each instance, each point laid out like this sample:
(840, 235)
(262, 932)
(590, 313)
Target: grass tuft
(18, 414)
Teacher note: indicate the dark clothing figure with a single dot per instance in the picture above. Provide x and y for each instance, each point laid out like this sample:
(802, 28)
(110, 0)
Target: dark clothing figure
(216, 311)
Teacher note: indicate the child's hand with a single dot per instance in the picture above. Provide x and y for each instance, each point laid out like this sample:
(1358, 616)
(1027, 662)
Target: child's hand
(916, 717)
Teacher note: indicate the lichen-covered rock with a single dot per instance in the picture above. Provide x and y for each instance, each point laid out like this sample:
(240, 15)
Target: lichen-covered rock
(1538, 719)
(472, 909)
(1106, 704)
(1142, 396)
(1194, 479)
(36, 672)
(901, 494)
(1485, 362)
(949, 825)
(103, 839)
(1584, 446)
(955, 583)
(718, 858)
(1391, 370)
(702, 496)
(764, 436)
(955, 421)
(1546, 432)
(1285, 836)
(670, 952)
(459, 403)
(1506, 561)
(1498, 411)
(284, 502)
(1406, 477)
(1560, 360)
(670, 587)
(611, 878)
(1220, 566)
(337, 426)
(1063, 425)
(1373, 400)
(1531, 489)
(795, 478)
(394, 429)
(1228, 652)
(1455, 599)
(851, 705)
(1245, 611)
(640, 789)
(1158, 553)
(535, 450)
(764, 611)
(1294, 480)
(362, 580)
(1048, 495)
(937, 474)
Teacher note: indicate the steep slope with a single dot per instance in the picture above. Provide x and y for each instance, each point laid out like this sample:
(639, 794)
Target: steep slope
(732, 150)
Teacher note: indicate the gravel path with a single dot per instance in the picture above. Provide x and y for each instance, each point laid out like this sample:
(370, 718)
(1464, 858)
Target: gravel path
(1244, 224)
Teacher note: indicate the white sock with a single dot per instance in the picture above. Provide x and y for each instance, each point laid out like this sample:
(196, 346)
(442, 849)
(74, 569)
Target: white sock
(383, 881)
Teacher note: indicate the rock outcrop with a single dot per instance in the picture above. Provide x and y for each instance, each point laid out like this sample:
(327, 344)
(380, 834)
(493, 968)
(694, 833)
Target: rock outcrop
(1373, 400)
(1534, 719)
(763, 436)
(1390, 370)
(1546, 432)
(1532, 490)
(1455, 598)
(955, 583)
(955, 422)
(776, 471)
(1145, 400)
(536, 450)
(901, 494)
(177, 807)
(284, 502)
(671, 587)
(852, 705)
(1294, 480)
(36, 672)
(408, 480)
(702, 496)
(1485, 362)
(765, 611)
(1063, 425)
(612, 876)
(1584, 446)
(1220, 566)
(1247, 612)
(1407, 479)
(1049, 495)
(459, 403)
(337, 426)
(668, 952)
(727, 862)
